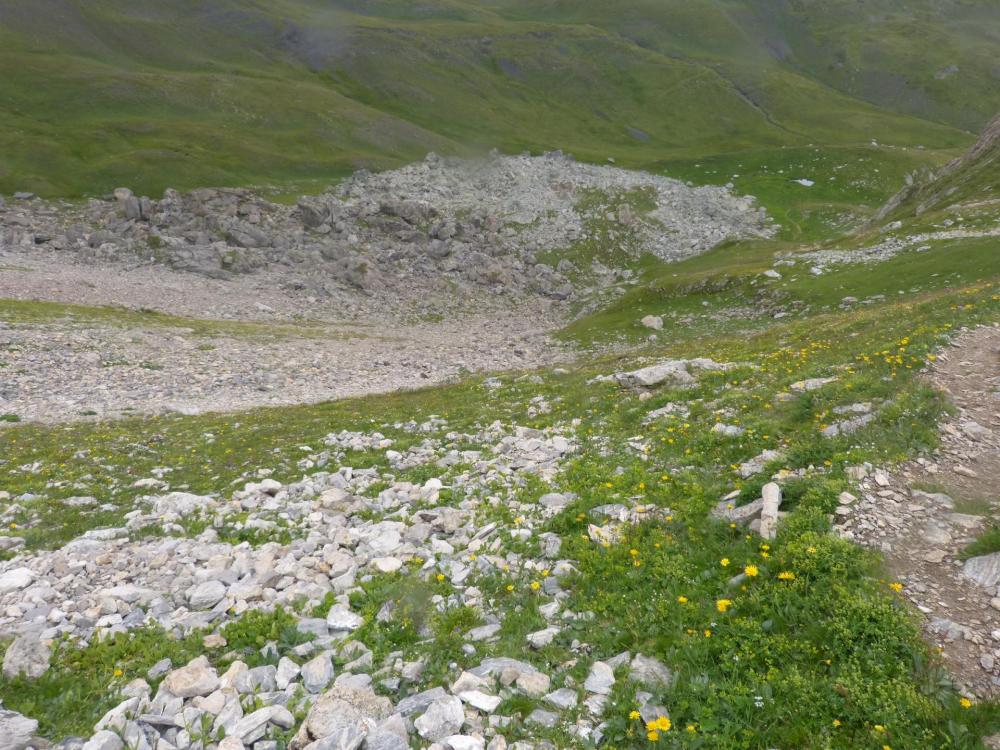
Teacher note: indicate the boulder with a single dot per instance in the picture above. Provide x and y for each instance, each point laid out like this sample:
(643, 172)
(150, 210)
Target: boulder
(17, 731)
(443, 718)
(197, 678)
(27, 656)
(345, 714)
(771, 493)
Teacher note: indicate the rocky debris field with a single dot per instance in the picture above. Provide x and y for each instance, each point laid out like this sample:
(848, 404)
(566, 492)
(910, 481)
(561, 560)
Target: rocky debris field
(389, 281)
(62, 371)
(109, 581)
(923, 515)
(820, 261)
(425, 238)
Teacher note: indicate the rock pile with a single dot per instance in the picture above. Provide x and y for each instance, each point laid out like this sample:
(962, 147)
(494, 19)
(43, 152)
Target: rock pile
(441, 222)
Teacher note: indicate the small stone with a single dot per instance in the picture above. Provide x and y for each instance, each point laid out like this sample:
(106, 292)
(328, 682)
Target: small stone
(15, 580)
(17, 731)
(771, 494)
(984, 569)
(563, 699)
(103, 740)
(341, 618)
(542, 638)
(28, 655)
(288, 670)
(542, 718)
(317, 673)
(535, 684)
(464, 742)
(647, 670)
(601, 678)
(206, 595)
(443, 718)
(480, 701)
(197, 678)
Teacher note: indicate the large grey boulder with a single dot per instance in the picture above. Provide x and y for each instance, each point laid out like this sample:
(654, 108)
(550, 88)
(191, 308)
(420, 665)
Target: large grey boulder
(443, 718)
(206, 595)
(650, 671)
(27, 656)
(984, 569)
(601, 678)
(676, 371)
(344, 714)
(15, 580)
(16, 730)
(317, 673)
(197, 678)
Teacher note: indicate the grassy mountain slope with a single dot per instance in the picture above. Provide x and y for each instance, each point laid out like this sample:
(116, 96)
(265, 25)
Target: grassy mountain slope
(233, 92)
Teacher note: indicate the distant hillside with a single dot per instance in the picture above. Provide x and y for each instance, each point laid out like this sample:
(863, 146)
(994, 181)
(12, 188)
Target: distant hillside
(181, 93)
(971, 180)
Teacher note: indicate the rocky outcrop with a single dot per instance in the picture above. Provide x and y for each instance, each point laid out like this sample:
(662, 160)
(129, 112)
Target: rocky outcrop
(435, 224)
(971, 176)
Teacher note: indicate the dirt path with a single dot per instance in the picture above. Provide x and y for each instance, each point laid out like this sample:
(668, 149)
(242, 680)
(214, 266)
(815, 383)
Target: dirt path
(924, 513)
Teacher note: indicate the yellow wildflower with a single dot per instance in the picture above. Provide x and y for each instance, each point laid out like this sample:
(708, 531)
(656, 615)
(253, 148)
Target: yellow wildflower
(661, 723)
(634, 715)
(896, 586)
(786, 575)
(751, 571)
(682, 600)
(535, 585)
(652, 736)
(723, 604)
(965, 703)
(724, 562)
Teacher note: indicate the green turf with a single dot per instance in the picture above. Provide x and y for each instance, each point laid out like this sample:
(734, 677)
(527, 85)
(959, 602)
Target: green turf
(294, 95)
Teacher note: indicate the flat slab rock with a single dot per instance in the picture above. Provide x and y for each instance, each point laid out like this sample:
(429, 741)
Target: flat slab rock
(984, 570)
(676, 370)
(16, 730)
